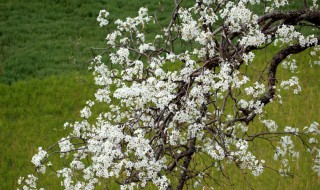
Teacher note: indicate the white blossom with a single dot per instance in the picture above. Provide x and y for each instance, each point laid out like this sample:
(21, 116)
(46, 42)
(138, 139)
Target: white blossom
(184, 94)
(38, 158)
(103, 14)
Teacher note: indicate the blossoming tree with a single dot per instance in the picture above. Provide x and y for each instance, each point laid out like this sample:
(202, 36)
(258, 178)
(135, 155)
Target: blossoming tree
(181, 104)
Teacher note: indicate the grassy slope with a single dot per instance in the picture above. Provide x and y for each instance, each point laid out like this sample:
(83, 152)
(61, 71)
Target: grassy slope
(41, 38)
(32, 114)
(38, 40)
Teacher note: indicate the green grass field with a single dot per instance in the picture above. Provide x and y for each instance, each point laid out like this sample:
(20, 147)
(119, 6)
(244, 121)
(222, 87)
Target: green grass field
(44, 51)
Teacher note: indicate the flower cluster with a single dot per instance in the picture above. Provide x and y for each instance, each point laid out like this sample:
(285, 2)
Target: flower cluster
(103, 14)
(37, 160)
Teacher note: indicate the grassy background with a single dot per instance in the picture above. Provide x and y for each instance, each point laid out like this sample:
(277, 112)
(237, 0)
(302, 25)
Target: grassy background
(41, 38)
(44, 51)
